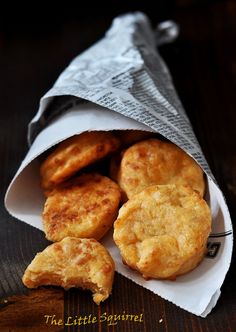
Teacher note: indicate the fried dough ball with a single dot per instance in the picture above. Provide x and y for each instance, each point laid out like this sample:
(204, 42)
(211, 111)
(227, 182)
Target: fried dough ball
(155, 162)
(73, 262)
(83, 207)
(162, 231)
(74, 154)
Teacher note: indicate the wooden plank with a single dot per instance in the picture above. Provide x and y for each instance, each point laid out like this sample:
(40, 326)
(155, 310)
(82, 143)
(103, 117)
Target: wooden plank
(31, 312)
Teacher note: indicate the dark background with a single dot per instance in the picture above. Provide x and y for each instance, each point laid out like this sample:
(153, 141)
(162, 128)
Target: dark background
(35, 46)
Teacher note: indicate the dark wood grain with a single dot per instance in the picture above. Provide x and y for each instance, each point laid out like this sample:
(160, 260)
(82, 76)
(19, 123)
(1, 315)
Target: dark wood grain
(203, 64)
(27, 313)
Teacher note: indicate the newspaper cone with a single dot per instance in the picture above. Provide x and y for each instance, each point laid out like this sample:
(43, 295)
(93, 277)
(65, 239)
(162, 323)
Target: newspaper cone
(126, 77)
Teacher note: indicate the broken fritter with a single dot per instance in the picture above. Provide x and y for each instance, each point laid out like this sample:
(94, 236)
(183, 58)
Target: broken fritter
(73, 262)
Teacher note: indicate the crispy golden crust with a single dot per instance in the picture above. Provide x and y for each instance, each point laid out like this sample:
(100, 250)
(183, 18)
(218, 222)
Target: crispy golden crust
(73, 262)
(162, 231)
(83, 207)
(75, 153)
(153, 162)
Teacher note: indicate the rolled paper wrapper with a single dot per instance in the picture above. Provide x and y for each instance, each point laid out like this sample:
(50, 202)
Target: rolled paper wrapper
(121, 82)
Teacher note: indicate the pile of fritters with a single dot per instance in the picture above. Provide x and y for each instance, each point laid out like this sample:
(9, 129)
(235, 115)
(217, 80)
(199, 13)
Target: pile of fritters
(161, 229)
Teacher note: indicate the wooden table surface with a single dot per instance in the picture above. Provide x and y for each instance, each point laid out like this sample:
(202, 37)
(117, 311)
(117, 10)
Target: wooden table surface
(33, 51)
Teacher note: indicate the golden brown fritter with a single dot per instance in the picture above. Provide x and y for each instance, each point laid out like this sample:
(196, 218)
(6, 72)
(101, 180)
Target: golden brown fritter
(74, 154)
(83, 207)
(153, 162)
(162, 231)
(73, 262)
